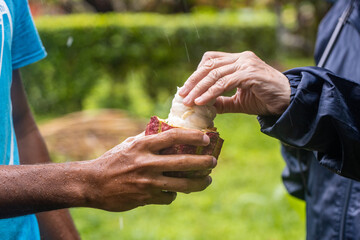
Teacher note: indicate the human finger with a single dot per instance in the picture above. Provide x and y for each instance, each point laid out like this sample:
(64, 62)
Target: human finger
(163, 198)
(227, 105)
(188, 174)
(131, 139)
(182, 162)
(202, 72)
(215, 75)
(174, 136)
(184, 185)
(223, 84)
(213, 54)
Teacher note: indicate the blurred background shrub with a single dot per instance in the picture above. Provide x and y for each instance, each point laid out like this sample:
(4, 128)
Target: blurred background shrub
(296, 23)
(109, 61)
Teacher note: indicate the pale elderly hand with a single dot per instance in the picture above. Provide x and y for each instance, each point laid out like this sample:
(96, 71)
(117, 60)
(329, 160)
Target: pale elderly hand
(261, 89)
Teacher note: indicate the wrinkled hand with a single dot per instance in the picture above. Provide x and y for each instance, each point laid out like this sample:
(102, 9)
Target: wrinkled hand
(261, 89)
(131, 174)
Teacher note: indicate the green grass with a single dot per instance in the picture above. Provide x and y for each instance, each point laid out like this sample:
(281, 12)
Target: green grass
(245, 201)
(296, 62)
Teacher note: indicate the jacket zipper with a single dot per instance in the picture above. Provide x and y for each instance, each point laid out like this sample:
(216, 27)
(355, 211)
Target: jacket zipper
(345, 209)
(341, 22)
(334, 36)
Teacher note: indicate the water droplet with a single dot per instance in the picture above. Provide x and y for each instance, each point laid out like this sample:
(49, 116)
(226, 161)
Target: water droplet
(187, 52)
(196, 29)
(69, 41)
(121, 223)
(167, 38)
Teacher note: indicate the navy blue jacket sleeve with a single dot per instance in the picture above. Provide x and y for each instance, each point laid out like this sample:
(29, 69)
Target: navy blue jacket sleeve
(296, 171)
(323, 116)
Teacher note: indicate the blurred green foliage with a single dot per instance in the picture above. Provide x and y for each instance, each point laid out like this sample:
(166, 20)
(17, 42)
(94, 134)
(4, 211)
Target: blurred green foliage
(97, 61)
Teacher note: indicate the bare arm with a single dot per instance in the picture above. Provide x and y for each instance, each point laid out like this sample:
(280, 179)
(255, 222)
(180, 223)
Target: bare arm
(127, 176)
(55, 224)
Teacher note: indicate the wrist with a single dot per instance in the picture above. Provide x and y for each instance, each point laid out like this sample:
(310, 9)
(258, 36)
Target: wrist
(287, 96)
(280, 100)
(79, 183)
(89, 184)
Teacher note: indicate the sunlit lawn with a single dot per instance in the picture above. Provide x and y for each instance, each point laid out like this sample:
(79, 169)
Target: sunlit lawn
(245, 201)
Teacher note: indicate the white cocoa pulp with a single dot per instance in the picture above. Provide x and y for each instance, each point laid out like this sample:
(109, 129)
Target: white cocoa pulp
(195, 117)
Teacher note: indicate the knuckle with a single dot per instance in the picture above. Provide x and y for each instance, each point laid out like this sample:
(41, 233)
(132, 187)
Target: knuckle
(210, 63)
(144, 184)
(220, 84)
(139, 143)
(130, 139)
(251, 69)
(244, 65)
(249, 54)
(207, 54)
(215, 74)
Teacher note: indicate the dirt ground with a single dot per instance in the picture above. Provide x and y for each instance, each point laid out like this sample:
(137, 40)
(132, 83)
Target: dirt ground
(88, 134)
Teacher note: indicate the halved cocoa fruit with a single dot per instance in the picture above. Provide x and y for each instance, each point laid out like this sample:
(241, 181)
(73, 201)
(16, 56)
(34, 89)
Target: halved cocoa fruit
(157, 125)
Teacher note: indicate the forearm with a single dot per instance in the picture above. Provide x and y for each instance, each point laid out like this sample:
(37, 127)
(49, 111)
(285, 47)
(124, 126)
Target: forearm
(31, 145)
(37, 188)
(57, 225)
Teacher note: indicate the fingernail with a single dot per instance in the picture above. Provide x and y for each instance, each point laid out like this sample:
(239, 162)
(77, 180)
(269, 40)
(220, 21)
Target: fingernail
(210, 180)
(182, 91)
(174, 194)
(206, 139)
(186, 101)
(199, 100)
(214, 162)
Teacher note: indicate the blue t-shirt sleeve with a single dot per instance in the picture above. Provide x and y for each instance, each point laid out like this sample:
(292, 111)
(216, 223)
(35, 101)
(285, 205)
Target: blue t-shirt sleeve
(26, 47)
